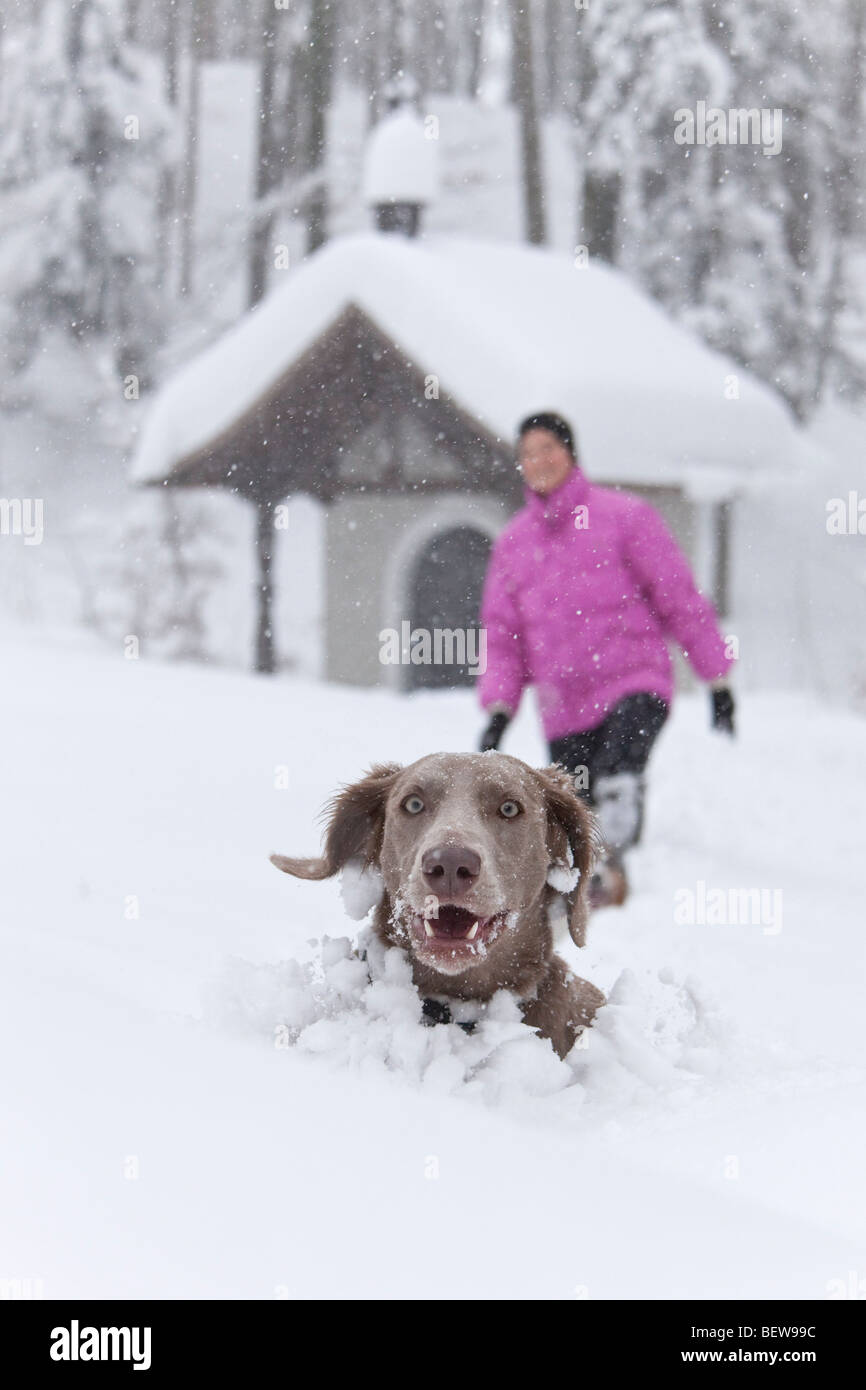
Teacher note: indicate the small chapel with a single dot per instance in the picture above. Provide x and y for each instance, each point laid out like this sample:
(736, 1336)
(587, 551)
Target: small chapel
(386, 376)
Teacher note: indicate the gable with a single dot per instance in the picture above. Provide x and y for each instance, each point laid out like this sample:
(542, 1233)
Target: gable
(353, 413)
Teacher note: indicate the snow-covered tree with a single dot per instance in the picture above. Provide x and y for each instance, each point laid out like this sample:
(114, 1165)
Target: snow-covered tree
(156, 581)
(524, 91)
(84, 136)
(750, 248)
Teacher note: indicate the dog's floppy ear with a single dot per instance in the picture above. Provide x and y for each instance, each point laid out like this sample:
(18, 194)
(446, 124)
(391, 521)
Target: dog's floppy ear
(573, 842)
(355, 818)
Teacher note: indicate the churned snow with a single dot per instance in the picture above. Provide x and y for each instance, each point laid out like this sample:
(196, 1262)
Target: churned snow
(355, 1005)
(206, 1093)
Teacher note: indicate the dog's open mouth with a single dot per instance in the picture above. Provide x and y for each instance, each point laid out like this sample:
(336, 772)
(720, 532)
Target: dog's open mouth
(456, 929)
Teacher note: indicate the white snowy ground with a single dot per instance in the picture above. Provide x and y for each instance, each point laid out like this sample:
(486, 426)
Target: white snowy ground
(708, 1142)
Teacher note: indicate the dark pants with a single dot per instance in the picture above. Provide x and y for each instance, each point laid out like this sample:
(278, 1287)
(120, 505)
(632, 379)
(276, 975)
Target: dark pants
(608, 763)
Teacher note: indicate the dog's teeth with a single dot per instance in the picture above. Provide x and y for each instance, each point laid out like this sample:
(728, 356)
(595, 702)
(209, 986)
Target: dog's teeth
(471, 935)
(427, 927)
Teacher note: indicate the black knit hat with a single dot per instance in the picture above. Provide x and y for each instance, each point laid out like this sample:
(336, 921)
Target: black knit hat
(549, 420)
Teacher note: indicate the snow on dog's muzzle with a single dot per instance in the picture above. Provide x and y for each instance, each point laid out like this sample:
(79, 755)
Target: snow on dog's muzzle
(454, 930)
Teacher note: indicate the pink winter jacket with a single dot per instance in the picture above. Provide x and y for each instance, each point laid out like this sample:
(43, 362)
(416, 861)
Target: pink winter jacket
(579, 603)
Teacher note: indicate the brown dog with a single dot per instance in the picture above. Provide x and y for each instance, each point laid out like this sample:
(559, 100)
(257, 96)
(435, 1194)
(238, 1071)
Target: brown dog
(465, 843)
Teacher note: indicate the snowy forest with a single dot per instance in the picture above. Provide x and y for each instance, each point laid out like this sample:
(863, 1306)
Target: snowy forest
(102, 118)
(260, 419)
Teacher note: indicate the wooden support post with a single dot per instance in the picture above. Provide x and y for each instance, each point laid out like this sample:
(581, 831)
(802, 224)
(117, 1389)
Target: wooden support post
(265, 656)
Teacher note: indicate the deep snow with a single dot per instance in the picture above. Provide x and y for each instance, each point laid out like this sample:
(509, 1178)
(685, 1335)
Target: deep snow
(709, 1141)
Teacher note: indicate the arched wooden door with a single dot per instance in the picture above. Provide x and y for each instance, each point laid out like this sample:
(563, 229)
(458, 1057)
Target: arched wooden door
(445, 595)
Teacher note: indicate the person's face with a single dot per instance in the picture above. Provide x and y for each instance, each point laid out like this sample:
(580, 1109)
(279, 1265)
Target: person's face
(544, 461)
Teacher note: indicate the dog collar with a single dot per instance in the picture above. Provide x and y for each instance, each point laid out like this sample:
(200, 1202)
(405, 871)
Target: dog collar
(435, 1011)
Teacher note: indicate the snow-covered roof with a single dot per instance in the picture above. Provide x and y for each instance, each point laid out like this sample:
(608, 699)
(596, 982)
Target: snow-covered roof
(507, 330)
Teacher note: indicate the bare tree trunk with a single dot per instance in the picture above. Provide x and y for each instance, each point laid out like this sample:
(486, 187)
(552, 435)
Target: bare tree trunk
(132, 24)
(842, 194)
(267, 162)
(318, 99)
(530, 135)
(171, 43)
(552, 56)
(475, 39)
(600, 214)
(95, 310)
(293, 112)
(396, 34)
(168, 179)
(433, 46)
(208, 30)
(370, 80)
(187, 201)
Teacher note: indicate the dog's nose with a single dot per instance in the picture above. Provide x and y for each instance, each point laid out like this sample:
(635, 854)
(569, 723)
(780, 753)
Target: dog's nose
(450, 870)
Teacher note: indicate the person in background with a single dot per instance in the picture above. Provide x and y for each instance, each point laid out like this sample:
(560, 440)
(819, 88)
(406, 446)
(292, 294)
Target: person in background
(585, 587)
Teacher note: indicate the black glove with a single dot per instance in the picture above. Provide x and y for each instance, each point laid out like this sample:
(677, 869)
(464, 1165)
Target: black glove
(723, 710)
(494, 731)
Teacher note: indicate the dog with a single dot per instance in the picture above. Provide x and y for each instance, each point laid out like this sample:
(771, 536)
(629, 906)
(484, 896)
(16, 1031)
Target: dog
(473, 850)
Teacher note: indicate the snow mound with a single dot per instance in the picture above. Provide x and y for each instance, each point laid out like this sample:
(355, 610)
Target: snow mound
(563, 877)
(357, 1008)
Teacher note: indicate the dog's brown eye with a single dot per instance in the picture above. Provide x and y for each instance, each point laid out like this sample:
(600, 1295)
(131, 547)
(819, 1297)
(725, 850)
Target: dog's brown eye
(413, 804)
(509, 809)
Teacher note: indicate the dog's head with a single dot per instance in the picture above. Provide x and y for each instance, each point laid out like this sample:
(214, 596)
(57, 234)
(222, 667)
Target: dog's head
(465, 843)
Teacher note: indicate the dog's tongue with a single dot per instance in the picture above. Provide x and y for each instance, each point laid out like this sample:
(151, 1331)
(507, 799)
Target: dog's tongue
(453, 921)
